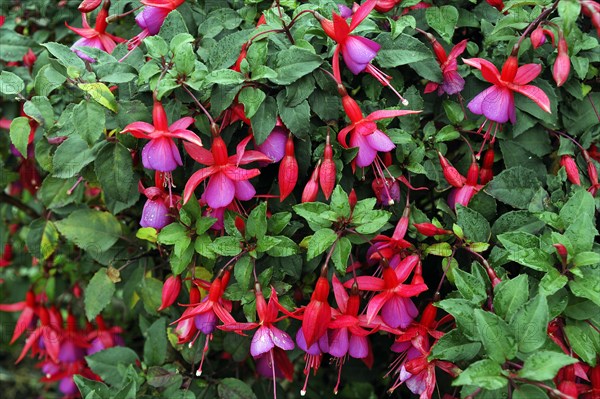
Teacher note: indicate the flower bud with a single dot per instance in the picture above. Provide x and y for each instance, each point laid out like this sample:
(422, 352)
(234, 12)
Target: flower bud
(384, 6)
(288, 170)
(170, 291)
(312, 187)
(562, 64)
(452, 176)
(327, 174)
(352, 200)
(537, 37)
(473, 173)
(562, 252)
(430, 230)
(352, 109)
(89, 5)
(570, 166)
(29, 59)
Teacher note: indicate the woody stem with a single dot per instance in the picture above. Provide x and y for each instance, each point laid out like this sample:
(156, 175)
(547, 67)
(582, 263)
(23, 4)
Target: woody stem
(199, 104)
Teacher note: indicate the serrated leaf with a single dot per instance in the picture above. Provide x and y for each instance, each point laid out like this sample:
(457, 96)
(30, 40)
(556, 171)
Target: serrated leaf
(544, 365)
(19, 134)
(485, 373)
(320, 242)
(98, 293)
(42, 238)
(101, 94)
(91, 230)
(529, 324)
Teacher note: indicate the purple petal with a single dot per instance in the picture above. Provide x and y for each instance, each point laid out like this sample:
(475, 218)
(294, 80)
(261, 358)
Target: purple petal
(398, 312)
(261, 342)
(417, 383)
(152, 18)
(358, 52)
(475, 104)
(206, 321)
(69, 352)
(497, 104)
(67, 386)
(301, 341)
(281, 339)
(85, 42)
(220, 191)
(453, 82)
(274, 145)
(264, 367)
(366, 154)
(338, 342)
(244, 190)
(345, 11)
(359, 347)
(161, 154)
(155, 214)
(400, 347)
(380, 141)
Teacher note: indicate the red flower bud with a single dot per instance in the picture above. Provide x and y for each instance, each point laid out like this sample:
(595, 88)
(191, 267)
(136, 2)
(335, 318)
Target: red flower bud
(439, 51)
(352, 200)
(317, 313)
(570, 166)
(562, 64)
(509, 69)
(89, 5)
(194, 294)
(288, 170)
(473, 173)
(498, 4)
(568, 388)
(352, 109)
(240, 224)
(430, 230)
(384, 6)
(592, 173)
(29, 58)
(561, 250)
(538, 37)
(312, 187)
(452, 176)
(170, 291)
(327, 175)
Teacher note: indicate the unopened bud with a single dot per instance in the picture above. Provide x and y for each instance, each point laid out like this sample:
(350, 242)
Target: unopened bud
(562, 64)
(452, 176)
(538, 37)
(170, 291)
(312, 187)
(570, 166)
(430, 229)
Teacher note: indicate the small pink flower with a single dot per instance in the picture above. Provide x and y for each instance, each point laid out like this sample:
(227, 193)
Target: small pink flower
(453, 83)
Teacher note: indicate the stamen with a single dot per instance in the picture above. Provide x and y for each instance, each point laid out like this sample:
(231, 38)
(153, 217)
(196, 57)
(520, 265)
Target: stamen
(384, 80)
(274, 380)
(204, 351)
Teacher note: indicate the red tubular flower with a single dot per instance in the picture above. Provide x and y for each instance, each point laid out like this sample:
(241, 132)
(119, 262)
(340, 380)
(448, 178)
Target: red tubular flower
(309, 194)
(317, 313)
(453, 83)
(451, 174)
(391, 248)
(562, 64)
(327, 174)
(570, 166)
(89, 5)
(591, 9)
(170, 291)
(486, 173)
(384, 6)
(6, 256)
(44, 339)
(227, 180)
(288, 170)
(430, 229)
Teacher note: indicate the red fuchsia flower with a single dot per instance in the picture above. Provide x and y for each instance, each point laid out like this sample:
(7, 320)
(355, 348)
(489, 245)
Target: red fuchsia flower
(327, 174)
(562, 64)
(205, 314)
(89, 5)
(592, 173)
(27, 318)
(226, 179)
(267, 337)
(312, 356)
(430, 229)
(104, 337)
(357, 51)
(486, 174)
(170, 291)
(317, 313)
(151, 18)
(567, 162)
(497, 4)
(44, 339)
(345, 11)
(311, 190)
(364, 133)
(497, 102)
(412, 366)
(6, 258)
(279, 366)
(390, 249)
(591, 9)
(73, 344)
(397, 310)
(161, 152)
(463, 194)
(95, 37)
(288, 170)
(453, 83)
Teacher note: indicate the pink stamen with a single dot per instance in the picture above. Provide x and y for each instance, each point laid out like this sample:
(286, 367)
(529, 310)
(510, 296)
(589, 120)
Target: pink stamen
(384, 80)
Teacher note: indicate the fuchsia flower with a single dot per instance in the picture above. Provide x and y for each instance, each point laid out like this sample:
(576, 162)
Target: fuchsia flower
(161, 152)
(317, 313)
(274, 145)
(27, 317)
(170, 291)
(156, 209)
(227, 180)
(390, 249)
(357, 51)
(453, 83)
(104, 337)
(397, 310)
(364, 133)
(152, 17)
(497, 102)
(96, 37)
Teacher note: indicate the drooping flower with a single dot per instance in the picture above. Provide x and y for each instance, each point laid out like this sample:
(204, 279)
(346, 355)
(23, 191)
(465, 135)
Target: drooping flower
(103, 337)
(562, 64)
(95, 37)
(364, 133)
(453, 83)
(226, 179)
(27, 317)
(317, 313)
(311, 190)
(327, 174)
(389, 248)
(170, 291)
(497, 102)
(161, 152)
(288, 170)
(151, 18)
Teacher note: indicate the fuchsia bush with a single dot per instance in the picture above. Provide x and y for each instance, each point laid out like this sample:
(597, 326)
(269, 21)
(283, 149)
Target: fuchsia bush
(255, 199)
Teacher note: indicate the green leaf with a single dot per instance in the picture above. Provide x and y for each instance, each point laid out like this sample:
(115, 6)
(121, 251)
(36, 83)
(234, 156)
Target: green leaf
(264, 119)
(475, 227)
(19, 134)
(495, 335)
(172, 233)
(470, 287)
(98, 293)
(101, 94)
(225, 77)
(40, 109)
(402, 50)
(251, 98)
(55, 192)
(89, 118)
(443, 20)
(226, 246)
(90, 230)
(587, 283)
(293, 63)
(10, 83)
(278, 222)
(42, 238)
(313, 212)
(47, 80)
(529, 324)
(510, 295)
(89, 388)
(237, 346)
(242, 271)
(110, 363)
(544, 365)
(320, 242)
(339, 202)
(155, 344)
(340, 255)
(528, 391)
(523, 248)
(266, 243)
(172, 26)
(114, 169)
(584, 340)
(454, 347)
(256, 225)
(284, 248)
(462, 311)
(453, 111)
(232, 388)
(439, 249)
(66, 57)
(71, 156)
(372, 222)
(297, 118)
(485, 373)
(515, 187)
